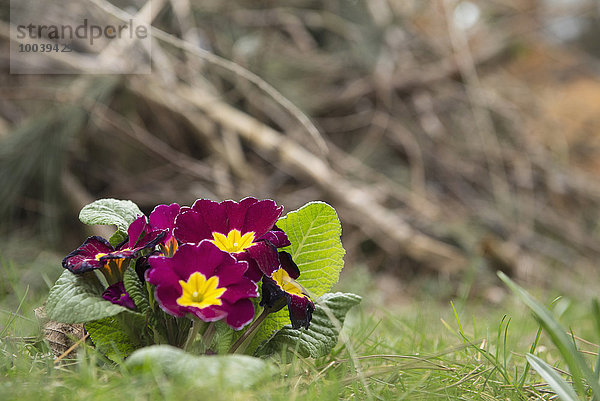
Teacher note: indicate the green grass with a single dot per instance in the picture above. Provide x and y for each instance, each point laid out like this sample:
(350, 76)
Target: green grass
(423, 350)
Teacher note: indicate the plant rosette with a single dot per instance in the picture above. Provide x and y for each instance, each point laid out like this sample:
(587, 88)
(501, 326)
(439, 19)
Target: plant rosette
(214, 278)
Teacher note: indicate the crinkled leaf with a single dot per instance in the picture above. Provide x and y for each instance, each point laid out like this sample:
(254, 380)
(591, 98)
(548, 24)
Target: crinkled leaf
(136, 289)
(322, 335)
(214, 371)
(118, 237)
(77, 298)
(224, 337)
(314, 231)
(121, 213)
(111, 338)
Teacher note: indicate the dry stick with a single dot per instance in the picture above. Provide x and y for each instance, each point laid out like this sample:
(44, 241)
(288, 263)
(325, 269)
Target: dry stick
(228, 66)
(422, 76)
(71, 348)
(115, 51)
(559, 225)
(394, 233)
(182, 10)
(388, 187)
(399, 134)
(490, 145)
(151, 143)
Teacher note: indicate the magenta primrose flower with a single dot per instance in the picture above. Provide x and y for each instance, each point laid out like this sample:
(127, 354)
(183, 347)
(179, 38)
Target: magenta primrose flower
(163, 218)
(204, 281)
(281, 289)
(98, 253)
(117, 295)
(245, 229)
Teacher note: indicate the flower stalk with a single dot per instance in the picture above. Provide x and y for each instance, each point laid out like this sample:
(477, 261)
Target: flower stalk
(196, 325)
(209, 333)
(250, 331)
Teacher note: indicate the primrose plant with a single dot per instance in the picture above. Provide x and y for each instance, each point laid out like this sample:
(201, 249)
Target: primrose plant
(214, 278)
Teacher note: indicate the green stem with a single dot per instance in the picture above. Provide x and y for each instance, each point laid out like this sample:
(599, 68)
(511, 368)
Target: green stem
(169, 324)
(196, 323)
(208, 335)
(251, 330)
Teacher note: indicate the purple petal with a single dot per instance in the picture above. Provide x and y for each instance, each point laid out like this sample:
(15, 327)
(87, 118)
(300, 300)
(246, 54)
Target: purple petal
(150, 240)
(273, 296)
(204, 258)
(289, 265)
(231, 272)
(236, 213)
(136, 229)
(253, 273)
(117, 295)
(163, 217)
(142, 265)
(208, 314)
(301, 309)
(240, 314)
(167, 296)
(214, 214)
(124, 254)
(261, 217)
(265, 255)
(243, 289)
(277, 237)
(83, 259)
(166, 280)
(161, 271)
(206, 216)
(190, 227)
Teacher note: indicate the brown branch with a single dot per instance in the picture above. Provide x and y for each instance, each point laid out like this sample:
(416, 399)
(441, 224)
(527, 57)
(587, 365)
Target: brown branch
(389, 227)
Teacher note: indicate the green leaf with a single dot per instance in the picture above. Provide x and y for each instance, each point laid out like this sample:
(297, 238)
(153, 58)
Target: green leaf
(322, 335)
(136, 289)
(224, 337)
(117, 237)
(77, 298)
(121, 213)
(214, 371)
(314, 231)
(110, 337)
(554, 380)
(558, 334)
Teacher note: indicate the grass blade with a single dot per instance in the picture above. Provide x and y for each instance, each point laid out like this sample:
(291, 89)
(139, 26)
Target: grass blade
(596, 313)
(577, 365)
(554, 380)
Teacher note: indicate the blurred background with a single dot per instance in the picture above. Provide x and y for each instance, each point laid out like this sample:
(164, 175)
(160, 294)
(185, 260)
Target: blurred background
(454, 138)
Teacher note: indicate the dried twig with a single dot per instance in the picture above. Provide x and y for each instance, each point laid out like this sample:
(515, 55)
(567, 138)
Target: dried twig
(396, 235)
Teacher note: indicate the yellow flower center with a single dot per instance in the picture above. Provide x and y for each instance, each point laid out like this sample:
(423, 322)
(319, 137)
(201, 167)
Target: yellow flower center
(234, 241)
(99, 255)
(287, 284)
(200, 292)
